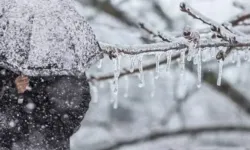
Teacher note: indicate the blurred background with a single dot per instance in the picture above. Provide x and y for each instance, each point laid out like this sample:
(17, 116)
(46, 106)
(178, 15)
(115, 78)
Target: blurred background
(169, 112)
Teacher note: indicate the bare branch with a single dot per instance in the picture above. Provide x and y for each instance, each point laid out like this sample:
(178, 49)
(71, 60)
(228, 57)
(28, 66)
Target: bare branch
(162, 37)
(239, 5)
(240, 18)
(228, 90)
(160, 12)
(188, 131)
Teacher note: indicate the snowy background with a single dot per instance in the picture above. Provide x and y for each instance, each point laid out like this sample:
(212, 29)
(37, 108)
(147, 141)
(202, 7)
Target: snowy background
(170, 103)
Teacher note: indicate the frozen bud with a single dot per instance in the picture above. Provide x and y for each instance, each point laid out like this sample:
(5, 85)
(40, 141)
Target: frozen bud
(187, 31)
(183, 6)
(220, 55)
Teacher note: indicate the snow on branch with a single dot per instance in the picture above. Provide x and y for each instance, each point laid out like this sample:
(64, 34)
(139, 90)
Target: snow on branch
(164, 47)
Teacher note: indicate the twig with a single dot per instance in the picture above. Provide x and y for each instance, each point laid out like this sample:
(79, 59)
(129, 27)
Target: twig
(180, 102)
(240, 18)
(220, 30)
(196, 15)
(237, 4)
(228, 90)
(162, 37)
(188, 131)
(160, 12)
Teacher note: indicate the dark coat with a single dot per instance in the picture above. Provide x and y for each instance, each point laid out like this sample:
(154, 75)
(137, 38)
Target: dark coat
(50, 113)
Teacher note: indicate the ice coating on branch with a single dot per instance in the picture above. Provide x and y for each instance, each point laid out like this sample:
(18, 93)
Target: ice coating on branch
(157, 63)
(141, 74)
(221, 62)
(143, 48)
(45, 37)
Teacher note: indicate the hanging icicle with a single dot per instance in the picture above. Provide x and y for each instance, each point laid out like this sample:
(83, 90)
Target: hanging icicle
(182, 65)
(246, 55)
(157, 63)
(132, 63)
(199, 69)
(221, 62)
(99, 66)
(238, 60)
(94, 92)
(213, 52)
(115, 105)
(204, 55)
(111, 86)
(169, 59)
(126, 86)
(141, 74)
(234, 57)
(191, 51)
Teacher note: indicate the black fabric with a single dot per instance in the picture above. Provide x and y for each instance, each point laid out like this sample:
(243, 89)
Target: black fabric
(50, 113)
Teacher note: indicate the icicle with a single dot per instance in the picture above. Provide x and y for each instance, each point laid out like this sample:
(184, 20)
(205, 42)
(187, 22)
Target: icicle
(204, 55)
(199, 67)
(169, 59)
(132, 64)
(246, 55)
(114, 93)
(94, 92)
(152, 94)
(183, 62)
(213, 52)
(238, 60)
(157, 63)
(191, 51)
(234, 57)
(195, 60)
(220, 72)
(141, 75)
(115, 105)
(99, 66)
(126, 86)
(111, 86)
(117, 69)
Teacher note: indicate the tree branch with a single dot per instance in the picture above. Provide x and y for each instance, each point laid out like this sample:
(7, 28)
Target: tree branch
(188, 131)
(228, 90)
(164, 47)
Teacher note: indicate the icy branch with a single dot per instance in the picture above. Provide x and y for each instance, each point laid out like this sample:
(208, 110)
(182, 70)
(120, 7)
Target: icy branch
(164, 47)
